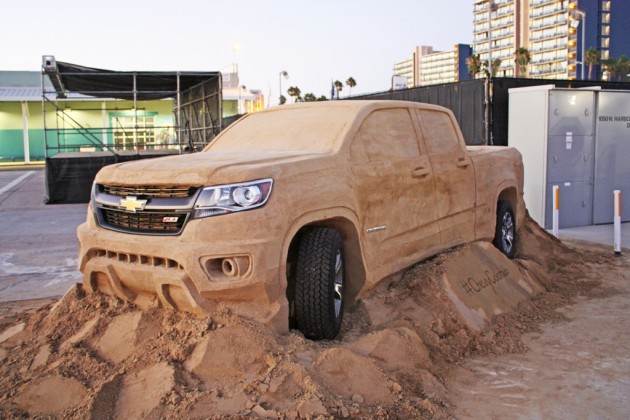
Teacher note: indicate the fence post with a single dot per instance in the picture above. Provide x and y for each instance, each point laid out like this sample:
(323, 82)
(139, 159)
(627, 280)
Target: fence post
(556, 210)
(617, 221)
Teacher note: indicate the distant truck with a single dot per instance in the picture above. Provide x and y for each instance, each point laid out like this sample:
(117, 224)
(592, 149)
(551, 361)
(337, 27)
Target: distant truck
(296, 211)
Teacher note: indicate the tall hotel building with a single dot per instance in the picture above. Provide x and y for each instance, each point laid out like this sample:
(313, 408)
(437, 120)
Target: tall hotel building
(556, 33)
(429, 67)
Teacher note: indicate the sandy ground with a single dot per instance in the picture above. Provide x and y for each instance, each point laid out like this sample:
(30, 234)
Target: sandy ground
(408, 350)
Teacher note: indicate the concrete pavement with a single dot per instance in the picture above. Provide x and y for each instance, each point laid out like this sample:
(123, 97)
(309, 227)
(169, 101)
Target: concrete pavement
(38, 245)
(601, 234)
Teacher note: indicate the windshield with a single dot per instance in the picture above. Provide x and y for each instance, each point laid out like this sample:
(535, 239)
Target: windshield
(313, 129)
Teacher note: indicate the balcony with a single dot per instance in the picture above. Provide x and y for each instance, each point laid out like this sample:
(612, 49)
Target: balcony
(550, 24)
(547, 70)
(548, 35)
(547, 60)
(541, 2)
(544, 11)
(497, 25)
(557, 46)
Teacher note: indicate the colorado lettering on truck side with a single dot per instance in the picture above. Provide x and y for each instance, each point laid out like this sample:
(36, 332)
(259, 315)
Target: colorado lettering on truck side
(292, 213)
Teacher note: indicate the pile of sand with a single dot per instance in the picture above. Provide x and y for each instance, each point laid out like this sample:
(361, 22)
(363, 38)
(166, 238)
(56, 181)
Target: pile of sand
(94, 356)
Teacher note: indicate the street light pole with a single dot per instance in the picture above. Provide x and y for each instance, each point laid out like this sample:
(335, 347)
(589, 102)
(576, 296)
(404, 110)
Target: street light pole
(580, 16)
(583, 14)
(286, 76)
(492, 7)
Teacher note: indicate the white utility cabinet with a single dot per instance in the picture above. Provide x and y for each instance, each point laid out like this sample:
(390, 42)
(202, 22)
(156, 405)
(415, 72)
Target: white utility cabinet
(577, 139)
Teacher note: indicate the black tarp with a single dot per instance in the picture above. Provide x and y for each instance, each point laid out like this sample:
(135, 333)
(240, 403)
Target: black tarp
(120, 84)
(69, 176)
(466, 100)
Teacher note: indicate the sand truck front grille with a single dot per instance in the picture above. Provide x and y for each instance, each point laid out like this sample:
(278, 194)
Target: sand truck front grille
(145, 222)
(149, 191)
(144, 210)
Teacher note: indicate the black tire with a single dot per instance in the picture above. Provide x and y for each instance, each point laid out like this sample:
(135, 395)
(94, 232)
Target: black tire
(319, 283)
(505, 232)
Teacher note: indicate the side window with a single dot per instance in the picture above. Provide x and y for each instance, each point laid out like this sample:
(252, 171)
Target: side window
(439, 134)
(386, 134)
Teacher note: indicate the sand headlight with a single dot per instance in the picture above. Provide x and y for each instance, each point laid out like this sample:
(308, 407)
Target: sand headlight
(247, 196)
(223, 199)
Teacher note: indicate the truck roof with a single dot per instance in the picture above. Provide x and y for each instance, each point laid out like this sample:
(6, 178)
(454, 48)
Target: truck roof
(319, 127)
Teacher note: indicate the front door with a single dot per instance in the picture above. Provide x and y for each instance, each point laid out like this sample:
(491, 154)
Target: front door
(395, 191)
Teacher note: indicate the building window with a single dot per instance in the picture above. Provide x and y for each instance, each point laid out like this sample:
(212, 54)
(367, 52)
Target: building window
(127, 136)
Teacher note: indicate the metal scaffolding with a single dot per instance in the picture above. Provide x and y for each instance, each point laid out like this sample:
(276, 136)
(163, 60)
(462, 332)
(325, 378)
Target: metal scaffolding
(196, 108)
(94, 117)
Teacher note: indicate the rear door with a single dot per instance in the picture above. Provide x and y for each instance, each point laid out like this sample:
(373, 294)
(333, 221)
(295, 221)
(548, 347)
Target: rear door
(454, 177)
(395, 189)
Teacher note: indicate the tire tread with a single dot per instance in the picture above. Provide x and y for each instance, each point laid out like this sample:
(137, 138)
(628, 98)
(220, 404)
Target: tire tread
(314, 294)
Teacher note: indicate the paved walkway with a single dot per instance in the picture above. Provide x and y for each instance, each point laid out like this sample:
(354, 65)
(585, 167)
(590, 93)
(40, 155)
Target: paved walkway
(601, 234)
(38, 242)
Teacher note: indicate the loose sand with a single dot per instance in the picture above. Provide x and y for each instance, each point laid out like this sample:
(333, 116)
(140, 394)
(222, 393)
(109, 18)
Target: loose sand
(401, 347)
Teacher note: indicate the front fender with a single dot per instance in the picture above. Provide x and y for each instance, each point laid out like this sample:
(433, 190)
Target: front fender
(346, 222)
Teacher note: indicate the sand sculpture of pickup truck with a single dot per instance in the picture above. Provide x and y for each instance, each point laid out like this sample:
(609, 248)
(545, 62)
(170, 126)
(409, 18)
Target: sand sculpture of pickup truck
(293, 212)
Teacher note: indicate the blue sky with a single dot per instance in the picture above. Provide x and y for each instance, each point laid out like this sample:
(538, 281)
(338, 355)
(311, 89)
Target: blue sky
(313, 41)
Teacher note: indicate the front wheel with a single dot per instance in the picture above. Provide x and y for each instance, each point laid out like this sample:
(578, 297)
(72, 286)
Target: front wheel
(505, 233)
(319, 283)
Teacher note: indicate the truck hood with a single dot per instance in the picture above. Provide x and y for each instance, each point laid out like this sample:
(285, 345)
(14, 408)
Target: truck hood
(208, 168)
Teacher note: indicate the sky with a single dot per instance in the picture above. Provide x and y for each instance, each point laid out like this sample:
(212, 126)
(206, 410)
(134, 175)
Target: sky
(315, 42)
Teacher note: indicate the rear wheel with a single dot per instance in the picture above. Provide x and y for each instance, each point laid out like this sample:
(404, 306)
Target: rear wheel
(319, 283)
(505, 233)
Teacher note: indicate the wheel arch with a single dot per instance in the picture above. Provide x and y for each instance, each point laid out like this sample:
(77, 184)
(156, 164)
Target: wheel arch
(510, 196)
(345, 222)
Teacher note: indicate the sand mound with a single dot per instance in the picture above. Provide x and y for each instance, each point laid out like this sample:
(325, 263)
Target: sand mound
(92, 356)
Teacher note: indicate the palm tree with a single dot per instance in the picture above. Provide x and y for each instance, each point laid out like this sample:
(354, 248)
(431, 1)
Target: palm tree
(522, 59)
(295, 92)
(283, 99)
(623, 67)
(473, 63)
(610, 66)
(351, 83)
(338, 87)
(322, 98)
(592, 57)
(618, 67)
(496, 64)
(309, 97)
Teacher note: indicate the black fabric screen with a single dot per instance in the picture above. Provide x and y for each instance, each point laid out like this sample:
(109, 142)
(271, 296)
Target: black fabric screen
(69, 176)
(120, 85)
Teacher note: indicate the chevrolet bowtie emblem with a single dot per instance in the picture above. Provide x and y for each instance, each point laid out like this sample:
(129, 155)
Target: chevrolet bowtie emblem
(132, 204)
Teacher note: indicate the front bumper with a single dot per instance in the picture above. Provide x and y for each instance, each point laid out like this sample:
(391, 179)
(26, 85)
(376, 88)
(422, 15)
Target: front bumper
(197, 271)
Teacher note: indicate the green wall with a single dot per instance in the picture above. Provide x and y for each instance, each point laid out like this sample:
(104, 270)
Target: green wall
(230, 108)
(12, 145)
(62, 133)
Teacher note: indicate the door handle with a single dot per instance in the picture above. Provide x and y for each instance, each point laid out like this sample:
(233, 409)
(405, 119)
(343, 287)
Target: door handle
(420, 172)
(462, 163)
